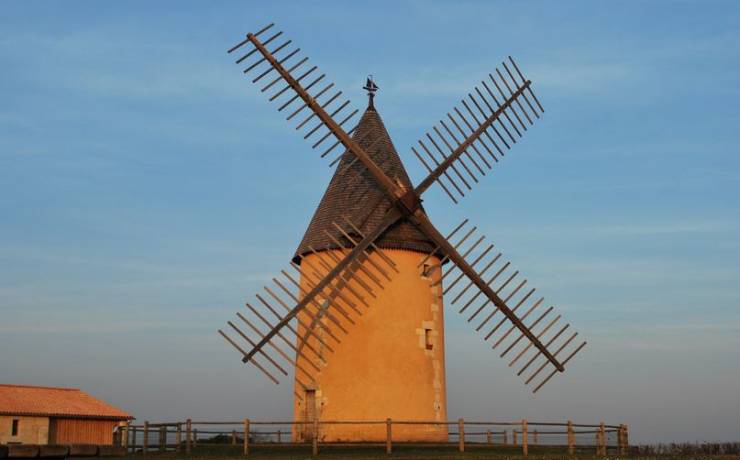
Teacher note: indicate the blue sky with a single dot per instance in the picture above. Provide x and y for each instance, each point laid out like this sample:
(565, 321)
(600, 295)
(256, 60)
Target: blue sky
(148, 190)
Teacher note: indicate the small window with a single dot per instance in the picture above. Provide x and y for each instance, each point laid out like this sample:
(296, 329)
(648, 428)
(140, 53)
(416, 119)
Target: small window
(426, 270)
(14, 427)
(428, 339)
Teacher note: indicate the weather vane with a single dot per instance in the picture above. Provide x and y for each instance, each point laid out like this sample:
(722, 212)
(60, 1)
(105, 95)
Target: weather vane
(371, 88)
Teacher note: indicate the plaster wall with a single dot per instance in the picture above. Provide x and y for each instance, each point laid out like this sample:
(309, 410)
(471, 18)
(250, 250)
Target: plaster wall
(31, 430)
(390, 365)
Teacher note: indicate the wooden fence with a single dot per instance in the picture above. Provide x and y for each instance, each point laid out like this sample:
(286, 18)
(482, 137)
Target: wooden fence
(248, 434)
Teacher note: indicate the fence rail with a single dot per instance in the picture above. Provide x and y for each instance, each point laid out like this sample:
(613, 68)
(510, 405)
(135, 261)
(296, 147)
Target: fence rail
(186, 436)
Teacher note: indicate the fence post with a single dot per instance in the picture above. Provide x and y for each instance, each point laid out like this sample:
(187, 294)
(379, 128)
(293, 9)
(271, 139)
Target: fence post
(315, 441)
(525, 446)
(626, 437)
(246, 436)
(195, 437)
(233, 437)
(125, 437)
(388, 436)
(461, 434)
(133, 439)
(188, 436)
(280, 437)
(536, 438)
(162, 438)
(488, 437)
(145, 446)
(178, 437)
(602, 440)
(506, 438)
(571, 439)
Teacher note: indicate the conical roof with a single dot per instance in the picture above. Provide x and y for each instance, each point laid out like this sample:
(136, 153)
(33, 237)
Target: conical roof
(353, 192)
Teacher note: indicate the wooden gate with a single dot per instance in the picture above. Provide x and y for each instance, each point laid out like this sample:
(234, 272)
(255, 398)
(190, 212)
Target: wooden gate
(81, 431)
(310, 415)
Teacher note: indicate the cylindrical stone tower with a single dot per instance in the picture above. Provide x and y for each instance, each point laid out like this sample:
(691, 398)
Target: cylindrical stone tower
(391, 364)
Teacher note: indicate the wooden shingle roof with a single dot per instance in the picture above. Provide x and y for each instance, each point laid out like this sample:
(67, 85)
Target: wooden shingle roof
(55, 402)
(353, 192)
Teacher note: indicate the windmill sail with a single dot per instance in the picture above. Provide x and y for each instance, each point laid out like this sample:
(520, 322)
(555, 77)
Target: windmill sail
(310, 317)
(520, 298)
(469, 141)
(296, 88)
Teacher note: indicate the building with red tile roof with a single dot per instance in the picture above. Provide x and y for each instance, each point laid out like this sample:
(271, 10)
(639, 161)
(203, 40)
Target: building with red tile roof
(48, 415)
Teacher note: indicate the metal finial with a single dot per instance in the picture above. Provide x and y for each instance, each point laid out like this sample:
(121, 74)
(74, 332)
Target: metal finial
(371, 88)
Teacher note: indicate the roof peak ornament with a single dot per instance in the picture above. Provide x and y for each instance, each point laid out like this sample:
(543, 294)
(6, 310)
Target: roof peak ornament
(371, 88)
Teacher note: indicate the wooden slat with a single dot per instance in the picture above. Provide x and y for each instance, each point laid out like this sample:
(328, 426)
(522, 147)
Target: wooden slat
(81, 431)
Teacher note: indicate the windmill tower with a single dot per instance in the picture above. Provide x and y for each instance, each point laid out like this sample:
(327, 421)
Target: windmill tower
(360, 321)
(392, 365)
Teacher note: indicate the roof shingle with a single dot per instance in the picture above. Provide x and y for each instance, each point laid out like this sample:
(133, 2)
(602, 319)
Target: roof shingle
(353, 192)
(55, 402)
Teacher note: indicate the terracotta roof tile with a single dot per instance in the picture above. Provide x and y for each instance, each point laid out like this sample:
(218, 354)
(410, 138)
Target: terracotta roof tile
(354, 192)
(55, 402)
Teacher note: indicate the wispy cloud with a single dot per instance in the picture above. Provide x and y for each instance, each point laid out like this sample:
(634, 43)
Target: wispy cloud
(112, 65)
(645, 228)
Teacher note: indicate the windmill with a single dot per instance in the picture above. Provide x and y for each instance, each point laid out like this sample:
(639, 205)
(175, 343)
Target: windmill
(358, 316)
